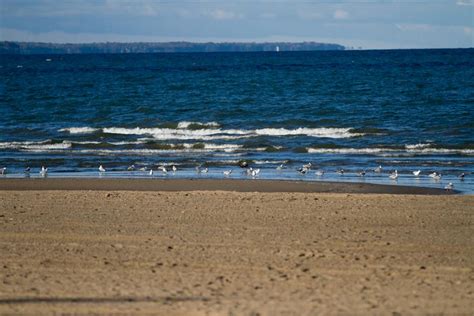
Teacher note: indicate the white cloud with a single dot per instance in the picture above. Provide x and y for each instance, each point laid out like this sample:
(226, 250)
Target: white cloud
(220, 14)
(340, 14)
(309, 14)
(465, 2)
(268, 15)
(413, 27)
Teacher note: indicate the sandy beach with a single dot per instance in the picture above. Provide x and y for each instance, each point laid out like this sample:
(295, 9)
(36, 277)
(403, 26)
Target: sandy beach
(233, 248)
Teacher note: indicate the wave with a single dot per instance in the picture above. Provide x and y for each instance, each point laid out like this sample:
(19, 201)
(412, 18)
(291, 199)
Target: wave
(36, 146)
(184, 132)
(409, 149)
(197, 125)
(79, 130)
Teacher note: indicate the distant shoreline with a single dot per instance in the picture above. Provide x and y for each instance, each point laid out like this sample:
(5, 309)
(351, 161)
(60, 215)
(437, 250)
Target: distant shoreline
(33, 48)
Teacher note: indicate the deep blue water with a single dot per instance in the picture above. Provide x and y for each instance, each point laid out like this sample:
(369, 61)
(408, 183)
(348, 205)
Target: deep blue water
(353, 110)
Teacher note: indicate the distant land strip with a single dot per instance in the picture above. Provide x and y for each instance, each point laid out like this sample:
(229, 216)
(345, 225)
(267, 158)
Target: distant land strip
(29, 48)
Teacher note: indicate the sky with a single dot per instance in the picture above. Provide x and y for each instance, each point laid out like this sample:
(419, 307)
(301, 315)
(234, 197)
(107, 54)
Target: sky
(367, 24)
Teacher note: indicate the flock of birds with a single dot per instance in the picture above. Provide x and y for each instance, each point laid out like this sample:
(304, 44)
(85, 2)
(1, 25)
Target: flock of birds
(251, 172)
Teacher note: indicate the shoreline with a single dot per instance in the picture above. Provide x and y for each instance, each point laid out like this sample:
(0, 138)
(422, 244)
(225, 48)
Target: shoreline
(237, 185)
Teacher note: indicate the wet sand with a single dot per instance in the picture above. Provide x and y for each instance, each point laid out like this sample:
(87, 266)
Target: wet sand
(105, 251)
(175, 185)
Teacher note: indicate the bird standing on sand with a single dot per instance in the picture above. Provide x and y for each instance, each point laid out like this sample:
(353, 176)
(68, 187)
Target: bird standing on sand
(378, 169)
(101, 169)
(43, 171)
(227, 173)
(416, 173)
(394, 176)
(449, 186)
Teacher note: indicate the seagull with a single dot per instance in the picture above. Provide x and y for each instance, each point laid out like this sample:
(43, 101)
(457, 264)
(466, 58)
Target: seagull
(227, 173)
(255, 172)
(394, 176)
(3, 171)
(319, 173)
(163, 169)
(416, 173)
(433, 175)
(131, 168)
(205, 170)
(143, 169)
(27, 170)
(303, 170)
(101, 169)
(340, 171)
(307, 166)
(243, 164)
(449, 186)
(44, 171)
(198, 169)
(174, 169)
(437, 176)
(378, 169)
(461, 176)
(280, 167)
(249, 171)
(151, 172)
(362, 173)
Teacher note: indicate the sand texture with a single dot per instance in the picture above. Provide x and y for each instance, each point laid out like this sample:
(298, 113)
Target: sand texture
(235, 253)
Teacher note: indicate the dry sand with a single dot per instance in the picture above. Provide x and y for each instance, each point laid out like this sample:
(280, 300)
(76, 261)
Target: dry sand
(235, 253)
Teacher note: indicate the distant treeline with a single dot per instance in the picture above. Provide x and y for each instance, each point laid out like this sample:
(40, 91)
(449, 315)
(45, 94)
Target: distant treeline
(27, 48)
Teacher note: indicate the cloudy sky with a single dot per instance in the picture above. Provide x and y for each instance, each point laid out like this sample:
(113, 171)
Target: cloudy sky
(357, 23)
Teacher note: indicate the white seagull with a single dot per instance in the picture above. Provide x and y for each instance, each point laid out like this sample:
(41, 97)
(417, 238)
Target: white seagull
(449, 186)
(394, 176)
(319, 173)
(27, 170)
(205, 170)
(461, 176)
(227, 173)
(255, 172)
(101, 169)
(3, 171)
(307, 166)
(378, 169)
(437, 176)
(131, 168)
(362, 173)
(416, 173)
(44, 171)
(433, 175)
(163, 169)
(174, 169)
(151, 172)
(280, 167)
(340, 171)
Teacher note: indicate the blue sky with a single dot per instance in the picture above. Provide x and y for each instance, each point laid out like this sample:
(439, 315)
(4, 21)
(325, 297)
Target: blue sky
(357, 23)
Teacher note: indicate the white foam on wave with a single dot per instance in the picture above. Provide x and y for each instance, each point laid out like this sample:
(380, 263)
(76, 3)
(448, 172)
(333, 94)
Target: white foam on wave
(185, 124)
(362, 151)
(312, 132)
(417, 146)
(36, 146)
(79, 130)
